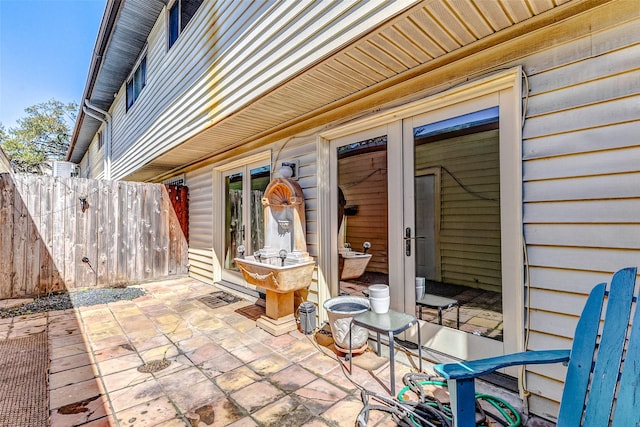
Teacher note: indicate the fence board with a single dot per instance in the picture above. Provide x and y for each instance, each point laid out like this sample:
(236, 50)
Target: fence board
(44, 220)
(161, 210)
(20, 231)
(128, 232)
(82, 247)
(58, 225)
(122, 234)
(69, 219)
(7, 192)
(32, 266)
(103, 230)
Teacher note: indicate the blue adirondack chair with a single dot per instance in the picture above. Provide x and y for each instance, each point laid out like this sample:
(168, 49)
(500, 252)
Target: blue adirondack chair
(602, 386)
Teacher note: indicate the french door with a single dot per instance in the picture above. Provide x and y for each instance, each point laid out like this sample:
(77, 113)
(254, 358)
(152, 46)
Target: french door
(243, 214)
(454, 179)
(452, 226)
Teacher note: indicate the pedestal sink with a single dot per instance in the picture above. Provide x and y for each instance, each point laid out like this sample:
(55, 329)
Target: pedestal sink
(283, 267)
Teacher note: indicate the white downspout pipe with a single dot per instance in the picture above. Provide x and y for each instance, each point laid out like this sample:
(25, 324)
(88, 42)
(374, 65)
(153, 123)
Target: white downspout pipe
(107, 142)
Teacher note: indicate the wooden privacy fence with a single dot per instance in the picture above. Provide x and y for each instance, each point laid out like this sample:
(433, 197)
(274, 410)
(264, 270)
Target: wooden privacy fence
(66, 233)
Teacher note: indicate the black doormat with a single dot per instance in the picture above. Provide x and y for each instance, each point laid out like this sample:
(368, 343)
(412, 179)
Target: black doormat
(23, 381)
(218, 299)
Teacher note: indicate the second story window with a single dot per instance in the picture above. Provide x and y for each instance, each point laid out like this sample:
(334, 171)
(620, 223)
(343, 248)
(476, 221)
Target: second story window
(180, 13)
(136, 82)
(100, 141)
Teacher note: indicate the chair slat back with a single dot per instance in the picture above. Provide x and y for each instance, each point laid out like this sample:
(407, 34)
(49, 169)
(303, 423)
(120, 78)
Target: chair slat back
(627, 410)
(576, 382)
(594, 369)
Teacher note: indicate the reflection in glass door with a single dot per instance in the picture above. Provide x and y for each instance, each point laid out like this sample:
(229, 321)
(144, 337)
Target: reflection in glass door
(243, 214)
(362, 201)
(453, 233)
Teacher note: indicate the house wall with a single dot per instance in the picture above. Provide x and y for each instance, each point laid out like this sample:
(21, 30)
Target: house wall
(225, 58)
(580, 147)
(92, 164)
(201, 206)
(581, 158)
(580, 168)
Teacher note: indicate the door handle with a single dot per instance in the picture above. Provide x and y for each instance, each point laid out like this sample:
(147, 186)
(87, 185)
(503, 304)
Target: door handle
(407, 240)
(243, 233)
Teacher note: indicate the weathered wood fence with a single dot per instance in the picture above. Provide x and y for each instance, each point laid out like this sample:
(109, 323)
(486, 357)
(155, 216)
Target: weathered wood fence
(67, 233)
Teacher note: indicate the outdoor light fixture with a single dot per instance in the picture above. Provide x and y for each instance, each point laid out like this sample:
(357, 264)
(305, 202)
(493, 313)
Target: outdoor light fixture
(241, 251)
(83, 203)
(289, 169)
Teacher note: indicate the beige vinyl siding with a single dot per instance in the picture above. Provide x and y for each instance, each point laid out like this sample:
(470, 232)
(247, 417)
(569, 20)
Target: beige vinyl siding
(201, 205)
(230, 54)
(581, 183)
(469, 223)
(92, 164)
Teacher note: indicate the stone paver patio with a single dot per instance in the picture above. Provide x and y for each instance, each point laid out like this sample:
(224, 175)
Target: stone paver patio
(223, 369)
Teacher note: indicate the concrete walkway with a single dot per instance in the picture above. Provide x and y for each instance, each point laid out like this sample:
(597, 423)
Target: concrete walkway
(222, 370)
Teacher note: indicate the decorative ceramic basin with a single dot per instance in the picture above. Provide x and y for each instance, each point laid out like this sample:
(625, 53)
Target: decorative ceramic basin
(353, 264)
(276, 278)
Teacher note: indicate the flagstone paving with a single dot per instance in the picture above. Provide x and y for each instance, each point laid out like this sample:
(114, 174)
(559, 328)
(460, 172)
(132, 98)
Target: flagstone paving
(222, 369)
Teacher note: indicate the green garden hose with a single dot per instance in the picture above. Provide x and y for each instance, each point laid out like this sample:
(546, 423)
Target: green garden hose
(507, 411)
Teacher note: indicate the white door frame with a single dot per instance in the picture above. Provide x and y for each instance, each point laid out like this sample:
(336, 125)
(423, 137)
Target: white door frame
(219, 172)
(505, 88)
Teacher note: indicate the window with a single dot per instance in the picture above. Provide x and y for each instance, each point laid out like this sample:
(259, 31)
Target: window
(100, 140)
(180, 13)
(136, 82)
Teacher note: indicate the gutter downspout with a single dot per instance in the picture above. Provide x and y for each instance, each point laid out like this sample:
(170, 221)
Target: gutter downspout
(107, 142)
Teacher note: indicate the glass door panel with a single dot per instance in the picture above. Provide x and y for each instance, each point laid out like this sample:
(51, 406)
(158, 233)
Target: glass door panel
(362, 211)
(233, 218)
(453, 230)
(260, 178)
(243, 214)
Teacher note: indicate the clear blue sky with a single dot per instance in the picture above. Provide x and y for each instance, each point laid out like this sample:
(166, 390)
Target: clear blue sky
(45, 49)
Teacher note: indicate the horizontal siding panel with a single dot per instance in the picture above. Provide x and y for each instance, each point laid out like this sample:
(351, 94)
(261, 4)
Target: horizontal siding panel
(201, 256)
(585, 164)
(544, 386)
(538, 341)
(586, 93)
(201, 276)
(619, 236)
(586, 188)
(557, 301)
(588, 140)
(564, 280)
(201, 266)
(588, 259)
(552, 371)
(553, 323)
(603, 38)
(610, 62)
(606, 113)
(583, 211)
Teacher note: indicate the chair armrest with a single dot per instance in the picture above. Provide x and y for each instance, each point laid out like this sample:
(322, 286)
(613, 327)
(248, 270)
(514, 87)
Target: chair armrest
(478, 368)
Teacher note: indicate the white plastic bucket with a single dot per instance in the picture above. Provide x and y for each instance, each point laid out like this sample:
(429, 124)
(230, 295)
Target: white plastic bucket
(380, 305)
(420, 281)
(379, 291)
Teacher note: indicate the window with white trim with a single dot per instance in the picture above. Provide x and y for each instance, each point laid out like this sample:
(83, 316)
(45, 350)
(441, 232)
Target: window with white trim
(136, 82)
(180, 13)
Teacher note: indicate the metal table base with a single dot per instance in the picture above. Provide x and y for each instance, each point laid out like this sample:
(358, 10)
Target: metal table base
(390, 323)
